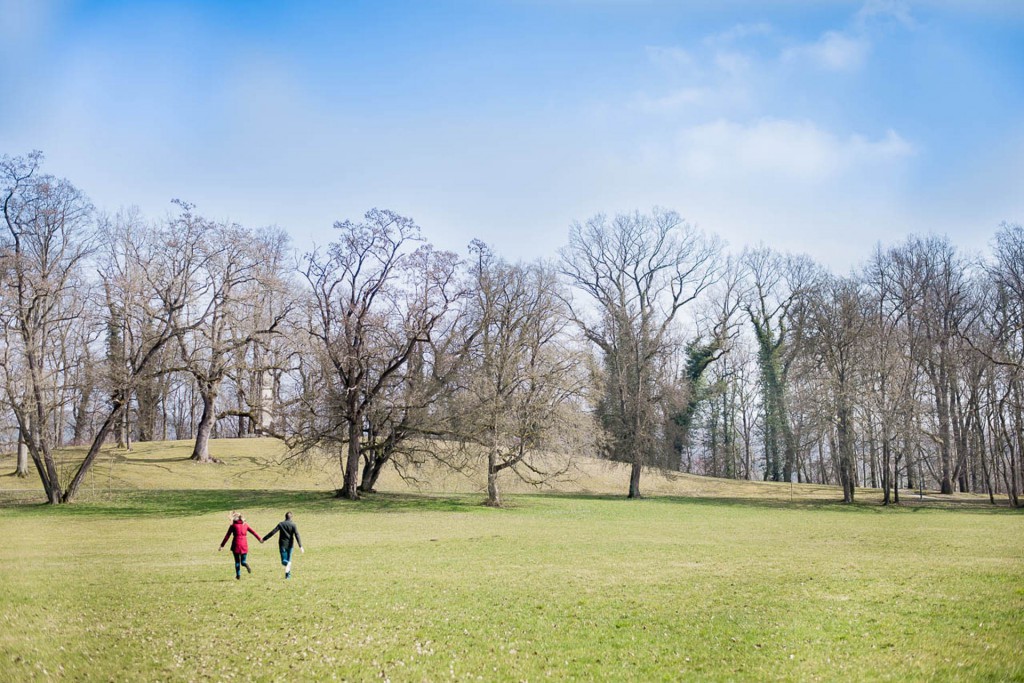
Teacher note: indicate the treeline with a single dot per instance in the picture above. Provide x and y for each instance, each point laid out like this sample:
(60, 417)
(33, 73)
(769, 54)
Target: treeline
(643, 341)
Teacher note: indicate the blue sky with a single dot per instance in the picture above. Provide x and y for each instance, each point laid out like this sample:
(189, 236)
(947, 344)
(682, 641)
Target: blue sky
(820, 127)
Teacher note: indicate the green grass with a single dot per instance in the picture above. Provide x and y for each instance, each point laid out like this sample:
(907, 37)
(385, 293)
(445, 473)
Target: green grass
(128, 584)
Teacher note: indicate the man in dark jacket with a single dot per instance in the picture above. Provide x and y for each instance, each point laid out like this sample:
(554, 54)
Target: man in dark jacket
(289, 536)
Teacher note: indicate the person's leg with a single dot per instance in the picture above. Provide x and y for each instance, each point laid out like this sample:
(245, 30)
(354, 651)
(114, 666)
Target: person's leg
(246, 564)
(238, 565)
(286, 560)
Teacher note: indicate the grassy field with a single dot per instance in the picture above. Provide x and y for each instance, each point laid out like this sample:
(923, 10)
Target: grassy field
(709, 580)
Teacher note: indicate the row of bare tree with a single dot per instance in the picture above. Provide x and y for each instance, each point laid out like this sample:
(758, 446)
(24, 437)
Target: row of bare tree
(904, 373)
(643, 342)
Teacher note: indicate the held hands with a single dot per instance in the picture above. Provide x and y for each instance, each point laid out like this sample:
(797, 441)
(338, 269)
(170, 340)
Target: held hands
(220, 548)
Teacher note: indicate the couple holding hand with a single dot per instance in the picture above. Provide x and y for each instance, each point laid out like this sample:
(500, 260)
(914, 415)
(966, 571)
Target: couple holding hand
(289, 536)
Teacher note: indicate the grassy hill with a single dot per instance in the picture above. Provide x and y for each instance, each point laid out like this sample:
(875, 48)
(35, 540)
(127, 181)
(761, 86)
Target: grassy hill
(264, 463)
(707, 579)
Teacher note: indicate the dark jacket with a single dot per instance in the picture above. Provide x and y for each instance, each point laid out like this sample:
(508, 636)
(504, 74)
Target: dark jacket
(289, 534)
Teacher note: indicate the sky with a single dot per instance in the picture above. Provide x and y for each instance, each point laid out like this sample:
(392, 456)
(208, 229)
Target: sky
(818, 127)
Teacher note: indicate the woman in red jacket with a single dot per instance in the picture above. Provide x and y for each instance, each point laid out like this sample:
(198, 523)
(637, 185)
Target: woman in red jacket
(240, 543)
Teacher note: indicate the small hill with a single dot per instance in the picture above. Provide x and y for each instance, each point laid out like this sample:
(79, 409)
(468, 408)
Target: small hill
(266, 464)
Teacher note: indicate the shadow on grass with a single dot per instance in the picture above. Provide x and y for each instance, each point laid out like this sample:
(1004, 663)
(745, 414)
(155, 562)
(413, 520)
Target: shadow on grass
(191, 502)
(860, 507)
(714, 501)
(148, 461)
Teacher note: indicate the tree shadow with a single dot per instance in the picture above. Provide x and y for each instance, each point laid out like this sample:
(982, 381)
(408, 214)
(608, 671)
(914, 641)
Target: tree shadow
(194, 502)
(779, 503)
(126, 503)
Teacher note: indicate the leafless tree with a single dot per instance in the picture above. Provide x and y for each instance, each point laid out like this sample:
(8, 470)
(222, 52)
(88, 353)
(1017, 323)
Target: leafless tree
(244, 302)
(888, 367)
(46, 242)
(149, 277)
(837, 324)
(413, 415)
(637, 271)
(934, 299)
(1001, 344)
(366, 322)
(523, 379)
(718, 328)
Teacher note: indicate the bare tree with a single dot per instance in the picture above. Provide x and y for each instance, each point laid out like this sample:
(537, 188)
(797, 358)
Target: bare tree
(638, 271)
(934, 299)
(414, 409)
(366, 324)
(523, 378)
(1002, 346)
(837, 334)
(50, 240)
(888, 367)
(44, 248)
(235, 313)
(717, 330)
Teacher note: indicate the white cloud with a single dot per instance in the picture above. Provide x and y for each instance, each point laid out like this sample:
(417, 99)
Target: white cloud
(779, 149)
(885, 10)
(834, 51)
(739, 32)
(671, 58)
(674, 101)
(714, 80)
(732, 62)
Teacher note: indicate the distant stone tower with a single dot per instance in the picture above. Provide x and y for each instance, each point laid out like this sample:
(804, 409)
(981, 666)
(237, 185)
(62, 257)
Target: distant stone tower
(266, 407)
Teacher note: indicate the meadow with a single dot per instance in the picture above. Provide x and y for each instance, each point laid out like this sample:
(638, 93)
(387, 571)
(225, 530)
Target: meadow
(703, 579)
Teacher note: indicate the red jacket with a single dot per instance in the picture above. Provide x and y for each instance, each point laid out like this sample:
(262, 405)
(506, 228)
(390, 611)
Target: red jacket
(241, 543)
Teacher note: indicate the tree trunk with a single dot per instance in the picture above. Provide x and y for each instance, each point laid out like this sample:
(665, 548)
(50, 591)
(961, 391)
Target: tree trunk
(493, 496)
(350, 489)
(872, 459)
(44, 464)
(1016, 441)
(747, 448)
(634, 480)
(35, 424)
(942, 408)
(372, 467)
(81, 416)
(771, 444)
(120, 425)
(959, 437)
(896, 478)
(822, 473)
(53, 495)
(844, 439)
(201, 451)
(788, 440)
(147, 398)
(243, 419)
(21, 469)
(127, 429)
(887, 476)
(97, 442)
(984, 456)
